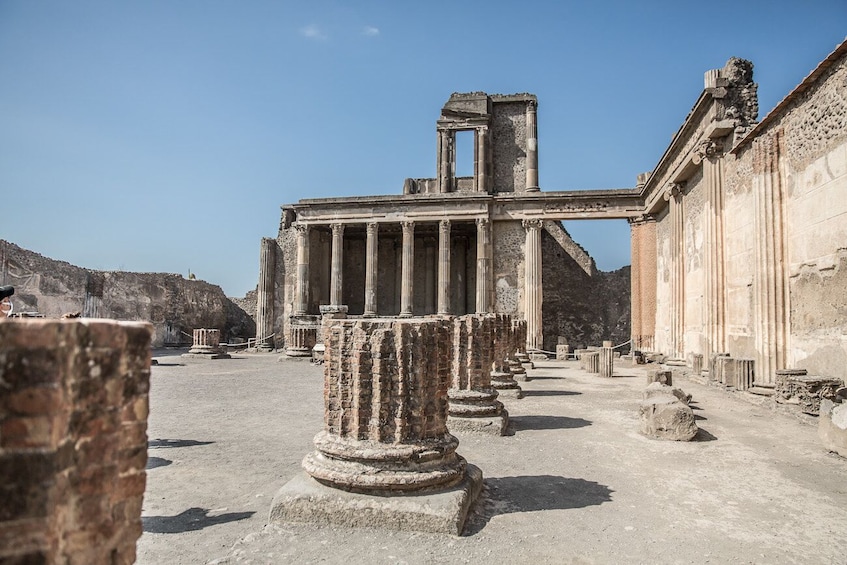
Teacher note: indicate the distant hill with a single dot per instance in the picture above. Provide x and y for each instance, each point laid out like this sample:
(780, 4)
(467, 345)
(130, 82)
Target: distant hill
(173, 304)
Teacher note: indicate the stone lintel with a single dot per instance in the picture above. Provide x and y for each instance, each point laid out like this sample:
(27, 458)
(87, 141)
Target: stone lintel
(303, 499)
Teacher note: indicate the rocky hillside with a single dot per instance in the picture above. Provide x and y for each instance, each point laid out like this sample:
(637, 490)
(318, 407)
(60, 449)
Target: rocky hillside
(174, 305)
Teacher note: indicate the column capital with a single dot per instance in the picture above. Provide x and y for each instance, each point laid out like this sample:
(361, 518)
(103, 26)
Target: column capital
(444, 226)
(301, 228)
(337, 229)
(407, 226)
(372, 227)
(706, 149)
(532, 223)
(483, 223)
(532, 105)
(642, 219)
(672, 190)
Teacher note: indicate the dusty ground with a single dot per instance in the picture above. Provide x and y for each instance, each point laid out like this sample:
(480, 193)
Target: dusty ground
(576, 483)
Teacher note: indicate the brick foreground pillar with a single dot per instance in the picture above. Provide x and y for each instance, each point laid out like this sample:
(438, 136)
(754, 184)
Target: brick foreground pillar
(473, 404)
(385, 433)
(501, 374)
(73, 439)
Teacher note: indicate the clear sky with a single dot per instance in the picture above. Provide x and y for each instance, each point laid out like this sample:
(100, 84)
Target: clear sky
(164, 135)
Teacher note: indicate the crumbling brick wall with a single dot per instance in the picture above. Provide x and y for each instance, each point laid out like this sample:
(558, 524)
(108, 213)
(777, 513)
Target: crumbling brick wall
(73, 439)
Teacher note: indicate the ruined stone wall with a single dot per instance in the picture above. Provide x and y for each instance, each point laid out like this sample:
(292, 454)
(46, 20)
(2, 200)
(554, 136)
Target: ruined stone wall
(508, 126)
(808, 139)
(174, 305)
(508, 240)
(73, 439)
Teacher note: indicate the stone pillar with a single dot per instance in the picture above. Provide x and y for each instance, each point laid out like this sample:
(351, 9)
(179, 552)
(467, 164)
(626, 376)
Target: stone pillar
(482, 159)
(473, 404)
(445, 160)
(430, 271)
(74, 439)
(265, 295)
(501, 374)
(715, 278)
(301, 300)
(532, 147)
(336, 284)
(444, 267)
(643, 282)
(483, 265)
(606, 361)
(770, 281)
(408, 269)
(521, 343)
(515, 365)
(673, 195)
(532, 283)
(385, 457)
(371, 253)
(302, 336)
(207, 343)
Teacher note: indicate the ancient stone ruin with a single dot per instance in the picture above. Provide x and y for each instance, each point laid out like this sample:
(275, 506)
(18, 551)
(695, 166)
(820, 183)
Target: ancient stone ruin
(385, 433)
(73, 439)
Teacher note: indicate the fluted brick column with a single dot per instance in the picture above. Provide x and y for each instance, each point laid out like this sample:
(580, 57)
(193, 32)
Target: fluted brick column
(473, 401)
(501, 374)
(301, 299)
(532, 147)
(408, 269)
(532, 283)
(483, 265)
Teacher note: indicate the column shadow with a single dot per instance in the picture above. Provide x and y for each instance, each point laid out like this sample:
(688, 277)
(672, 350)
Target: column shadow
(507, 495)
(155, 462)
(166, 443)
(188, 521)
(550, 393)
(522, 423)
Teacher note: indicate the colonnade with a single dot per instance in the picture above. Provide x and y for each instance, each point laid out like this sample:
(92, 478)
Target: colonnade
(437, 278)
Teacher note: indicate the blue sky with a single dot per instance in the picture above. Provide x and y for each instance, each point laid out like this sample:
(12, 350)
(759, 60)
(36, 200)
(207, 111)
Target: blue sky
(164, 135)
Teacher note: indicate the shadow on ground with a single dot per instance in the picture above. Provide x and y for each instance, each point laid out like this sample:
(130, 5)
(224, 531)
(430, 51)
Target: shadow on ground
(162, 443)
(507, 495)
(189, 520)
(521, 423)
(550, 393)
(154, 462)
(703, 435)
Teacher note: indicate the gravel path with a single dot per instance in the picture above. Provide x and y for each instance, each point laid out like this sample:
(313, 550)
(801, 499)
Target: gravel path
(575, 483)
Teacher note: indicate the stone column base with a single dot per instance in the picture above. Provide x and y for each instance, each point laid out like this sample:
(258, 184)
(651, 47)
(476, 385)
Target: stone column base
(298, 351)
(303, 499)
(219, 355)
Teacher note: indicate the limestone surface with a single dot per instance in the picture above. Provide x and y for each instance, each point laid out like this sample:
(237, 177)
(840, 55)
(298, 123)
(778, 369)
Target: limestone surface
(665, 417)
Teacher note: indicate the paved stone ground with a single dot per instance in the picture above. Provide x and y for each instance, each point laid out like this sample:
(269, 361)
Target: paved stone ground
(576, 483)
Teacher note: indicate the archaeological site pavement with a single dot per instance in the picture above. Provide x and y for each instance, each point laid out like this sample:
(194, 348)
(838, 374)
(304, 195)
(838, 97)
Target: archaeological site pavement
(574, 483)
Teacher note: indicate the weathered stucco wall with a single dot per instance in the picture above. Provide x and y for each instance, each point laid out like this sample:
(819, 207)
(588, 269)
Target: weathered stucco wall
(508, 124)
(174, 305)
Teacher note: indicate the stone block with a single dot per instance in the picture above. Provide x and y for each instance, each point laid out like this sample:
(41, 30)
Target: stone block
(664, 376)
(303, 499)
(658, 389)
(804, 391)
(832, 426)
(665, 417)
(562, 352)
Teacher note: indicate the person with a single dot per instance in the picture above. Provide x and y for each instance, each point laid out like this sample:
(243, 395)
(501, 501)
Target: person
(5, 303)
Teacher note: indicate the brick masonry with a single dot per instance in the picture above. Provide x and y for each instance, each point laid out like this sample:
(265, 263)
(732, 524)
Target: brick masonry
(73, 439)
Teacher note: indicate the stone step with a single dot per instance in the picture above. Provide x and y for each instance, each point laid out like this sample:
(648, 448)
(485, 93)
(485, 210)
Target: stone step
(760, 390)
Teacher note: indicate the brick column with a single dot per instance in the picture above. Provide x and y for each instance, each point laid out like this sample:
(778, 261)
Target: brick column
(73, 439)
(371, 253)
(501, 374)
(444, 267)
(408, 269)
(473, 404)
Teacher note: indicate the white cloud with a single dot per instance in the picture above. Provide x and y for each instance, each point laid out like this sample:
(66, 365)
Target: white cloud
(370, 31)
(312, 31)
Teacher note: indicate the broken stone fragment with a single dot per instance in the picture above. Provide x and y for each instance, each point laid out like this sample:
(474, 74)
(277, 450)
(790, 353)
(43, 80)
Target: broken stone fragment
(657, 388)
(664, 376)
(832, 426)
(665, 417)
